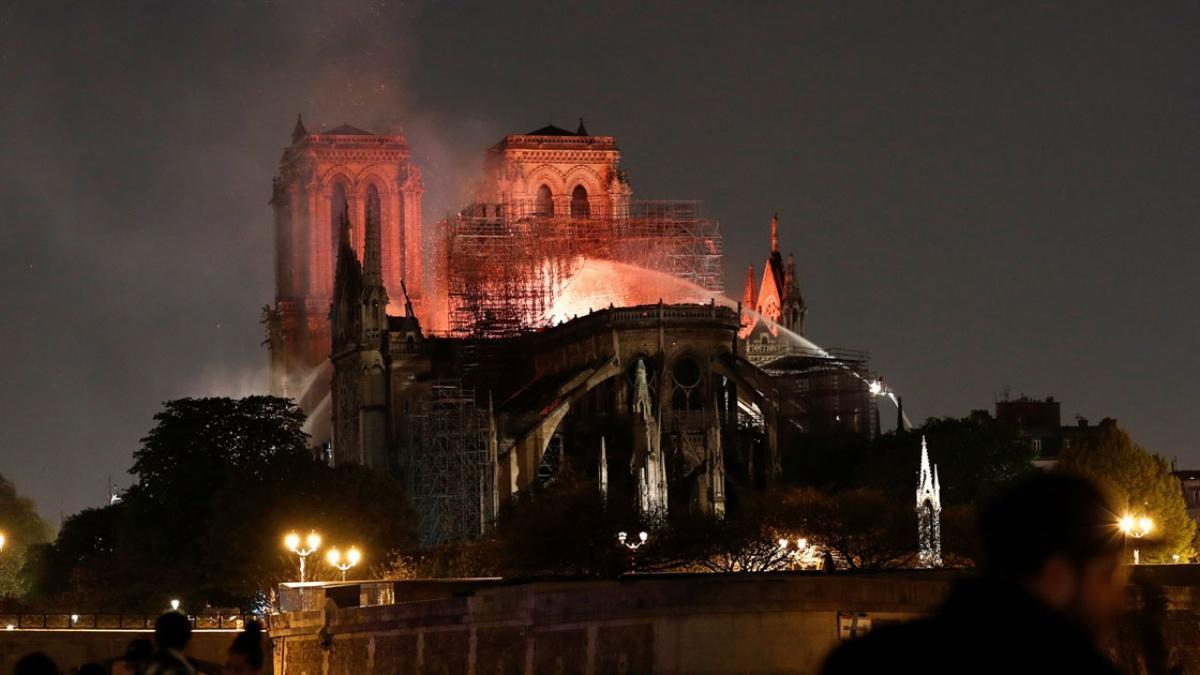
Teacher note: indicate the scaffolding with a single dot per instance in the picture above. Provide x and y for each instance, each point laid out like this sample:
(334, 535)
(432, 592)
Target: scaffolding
(505, 263)
(832, 385)
(451, 469)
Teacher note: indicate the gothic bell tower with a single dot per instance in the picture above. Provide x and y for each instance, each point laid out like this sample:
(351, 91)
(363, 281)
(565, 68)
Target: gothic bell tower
(325, 178)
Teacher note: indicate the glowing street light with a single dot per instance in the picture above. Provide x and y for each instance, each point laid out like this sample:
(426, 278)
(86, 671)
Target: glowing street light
(632, 545)
(3, 541)
(794, 554)
(335, 558)
(1136, 528)
(311, 543)
(174, 605)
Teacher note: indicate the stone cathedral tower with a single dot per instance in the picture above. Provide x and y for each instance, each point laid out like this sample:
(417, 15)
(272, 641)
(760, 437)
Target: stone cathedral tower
(323, 178)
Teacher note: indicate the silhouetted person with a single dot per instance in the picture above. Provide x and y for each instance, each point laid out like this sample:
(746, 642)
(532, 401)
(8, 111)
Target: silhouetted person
(136, 658)
(172, 632)
(246, 654)
(35, 663)
(1052, 588)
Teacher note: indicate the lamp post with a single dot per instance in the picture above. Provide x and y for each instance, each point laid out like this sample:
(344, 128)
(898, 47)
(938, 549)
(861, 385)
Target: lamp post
(1136, 528)
(311, 543)
(622, 537)
(793, 554)
(334, 557)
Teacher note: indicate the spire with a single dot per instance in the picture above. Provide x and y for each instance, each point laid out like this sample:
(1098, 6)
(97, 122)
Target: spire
(926, 479)
(929, 513)
(775, 233)
(582, 130)
(373, 299)
(790, 289)
(299, 131)
(900, 425)
(748, 298)
(372, 262)
(344, 231)
(347, 287)
(641, 392)
(603, 472)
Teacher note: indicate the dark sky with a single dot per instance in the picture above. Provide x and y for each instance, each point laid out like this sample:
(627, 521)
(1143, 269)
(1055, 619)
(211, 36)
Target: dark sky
(984, 195)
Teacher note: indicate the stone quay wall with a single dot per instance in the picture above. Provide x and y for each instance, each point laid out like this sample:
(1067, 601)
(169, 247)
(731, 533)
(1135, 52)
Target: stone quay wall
(71, 648)
(781, 623)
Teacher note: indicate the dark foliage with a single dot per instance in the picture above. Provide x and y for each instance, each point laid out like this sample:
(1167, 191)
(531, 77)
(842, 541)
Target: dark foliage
(219, 481)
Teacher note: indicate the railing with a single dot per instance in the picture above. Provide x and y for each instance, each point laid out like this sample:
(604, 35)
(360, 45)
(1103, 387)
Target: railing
(776, 349)
(210, 621)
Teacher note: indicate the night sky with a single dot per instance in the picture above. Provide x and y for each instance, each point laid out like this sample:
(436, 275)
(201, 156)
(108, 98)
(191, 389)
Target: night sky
(982, 195)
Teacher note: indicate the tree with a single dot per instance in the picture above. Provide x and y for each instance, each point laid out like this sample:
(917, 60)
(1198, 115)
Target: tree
(863, 528)
(562, 528)
(22, 528)
(1138, 483)
(974, 457)
(219, 481)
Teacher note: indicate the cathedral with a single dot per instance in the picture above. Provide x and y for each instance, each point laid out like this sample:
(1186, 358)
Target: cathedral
(474, 383)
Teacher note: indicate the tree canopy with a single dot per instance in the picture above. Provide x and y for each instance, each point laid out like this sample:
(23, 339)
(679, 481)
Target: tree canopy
(1138, 483)
(219, 481)
(22, 528)
(973, 456)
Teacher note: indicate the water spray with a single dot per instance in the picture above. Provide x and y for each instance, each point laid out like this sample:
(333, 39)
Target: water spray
(602, 283)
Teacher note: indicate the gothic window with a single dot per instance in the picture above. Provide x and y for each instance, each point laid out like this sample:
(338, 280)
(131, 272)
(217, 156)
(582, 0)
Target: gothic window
(579, 203)
(686, 376)
(337, 211)
(545, 202)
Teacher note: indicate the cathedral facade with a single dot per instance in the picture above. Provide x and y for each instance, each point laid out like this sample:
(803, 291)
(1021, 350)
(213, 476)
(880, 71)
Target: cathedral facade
(325, 178)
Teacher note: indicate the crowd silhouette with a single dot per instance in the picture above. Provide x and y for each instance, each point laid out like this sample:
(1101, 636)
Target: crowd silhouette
(166, 654)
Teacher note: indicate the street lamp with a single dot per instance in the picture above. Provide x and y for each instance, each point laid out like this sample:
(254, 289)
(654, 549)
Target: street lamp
(793, 555)
(1136, 528)
(334, 557)
(3, 541)
(632, 545)
(311, 543)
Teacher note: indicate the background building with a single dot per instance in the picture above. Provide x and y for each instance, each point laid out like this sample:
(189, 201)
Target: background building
(1040, 421)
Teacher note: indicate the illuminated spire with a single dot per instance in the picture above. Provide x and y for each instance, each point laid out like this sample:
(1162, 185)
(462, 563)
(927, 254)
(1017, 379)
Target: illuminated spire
(929, 512)
(775, 233)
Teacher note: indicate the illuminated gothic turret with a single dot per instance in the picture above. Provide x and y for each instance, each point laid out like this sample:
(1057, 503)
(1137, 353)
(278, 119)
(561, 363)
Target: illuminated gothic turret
(929, 512)
(778, 297)
(647, 462)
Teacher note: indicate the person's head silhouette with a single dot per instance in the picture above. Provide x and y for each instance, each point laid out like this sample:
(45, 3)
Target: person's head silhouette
(1056, 535)
(172, 630)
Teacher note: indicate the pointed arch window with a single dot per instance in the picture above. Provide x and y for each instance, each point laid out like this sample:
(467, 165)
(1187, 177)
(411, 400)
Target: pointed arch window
(544, 206)
(337, 211)
(579, 203)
